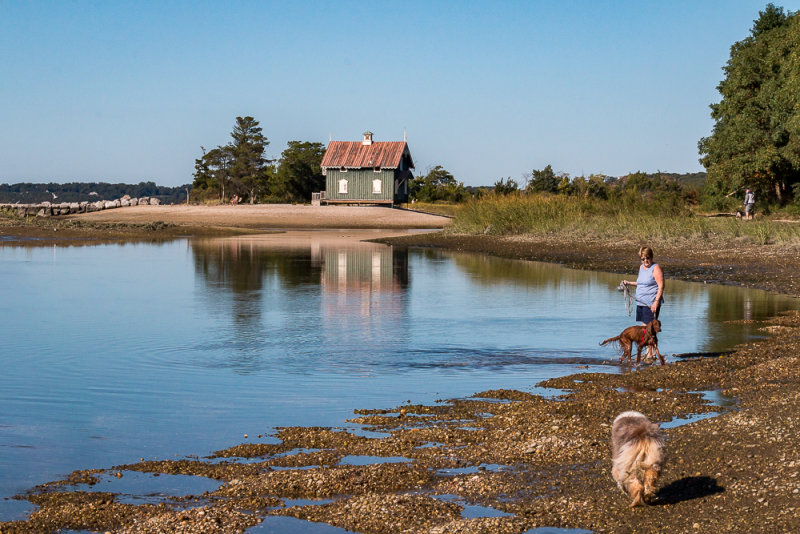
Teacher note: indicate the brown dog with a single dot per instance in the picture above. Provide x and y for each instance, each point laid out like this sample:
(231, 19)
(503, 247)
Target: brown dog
(643, 336)
(637, 453)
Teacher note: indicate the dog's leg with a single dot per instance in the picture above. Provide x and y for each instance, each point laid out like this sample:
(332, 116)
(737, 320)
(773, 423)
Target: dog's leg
(627, 347)
(660, 357)
(650, 477)
(636, 491)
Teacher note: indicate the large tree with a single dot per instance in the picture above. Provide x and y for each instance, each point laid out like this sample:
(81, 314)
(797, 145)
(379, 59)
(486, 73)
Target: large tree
(755, 141)
(250, 169)
(212, 172)
(299, 172)
(239, 167)
(544, 180)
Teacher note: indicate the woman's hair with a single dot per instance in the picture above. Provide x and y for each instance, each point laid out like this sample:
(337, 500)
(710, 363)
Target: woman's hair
(647, 252)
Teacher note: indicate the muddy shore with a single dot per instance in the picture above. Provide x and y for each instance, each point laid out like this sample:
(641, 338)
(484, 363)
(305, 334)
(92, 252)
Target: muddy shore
(539, 461)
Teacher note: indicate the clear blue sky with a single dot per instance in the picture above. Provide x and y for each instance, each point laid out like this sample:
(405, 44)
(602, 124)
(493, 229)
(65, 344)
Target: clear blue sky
(129, 91)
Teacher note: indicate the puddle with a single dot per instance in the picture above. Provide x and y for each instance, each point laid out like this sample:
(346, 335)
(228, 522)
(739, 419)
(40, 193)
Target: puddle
(430, 445)
(289, 525)
(370, 460)
(294, 452)
(13, 509)
(140, 488)
(468, 470)
(306, 502)
(364, 433)
(691, 418)
(472, 511)
(491, 400)
(716, 398)
(293, 467)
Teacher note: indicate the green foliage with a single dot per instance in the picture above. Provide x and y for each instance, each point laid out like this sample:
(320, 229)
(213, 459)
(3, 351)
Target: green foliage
(506, 187)
(299, 172)
(437, 185)
(30, 193)
(544, 181)
(250, 170)
(238, 168)
(755, 141)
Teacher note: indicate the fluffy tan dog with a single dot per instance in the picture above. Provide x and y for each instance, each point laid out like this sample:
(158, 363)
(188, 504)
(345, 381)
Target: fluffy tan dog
(637, 450)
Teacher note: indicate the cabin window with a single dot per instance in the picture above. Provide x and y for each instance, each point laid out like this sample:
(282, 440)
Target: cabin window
(376, 169)
(343, 186)
(377, 185)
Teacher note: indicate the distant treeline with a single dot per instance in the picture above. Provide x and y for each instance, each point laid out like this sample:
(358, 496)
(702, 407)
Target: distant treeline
(28, 193)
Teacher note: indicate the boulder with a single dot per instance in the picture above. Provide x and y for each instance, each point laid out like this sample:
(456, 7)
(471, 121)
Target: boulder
(154, 202)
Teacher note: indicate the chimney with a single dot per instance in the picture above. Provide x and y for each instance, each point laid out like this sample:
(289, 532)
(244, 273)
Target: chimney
(367, 138)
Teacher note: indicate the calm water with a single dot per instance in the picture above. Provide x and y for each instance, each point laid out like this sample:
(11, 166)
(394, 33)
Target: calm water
(112, 353)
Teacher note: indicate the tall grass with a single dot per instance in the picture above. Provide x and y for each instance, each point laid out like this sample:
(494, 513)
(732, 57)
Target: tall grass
(630, 219)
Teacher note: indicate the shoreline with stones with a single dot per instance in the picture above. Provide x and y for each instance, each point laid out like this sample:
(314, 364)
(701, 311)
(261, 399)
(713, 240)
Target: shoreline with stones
(53, 209)
(538, 461)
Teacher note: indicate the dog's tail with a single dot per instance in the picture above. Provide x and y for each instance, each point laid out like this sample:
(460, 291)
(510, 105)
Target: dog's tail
(610, 340)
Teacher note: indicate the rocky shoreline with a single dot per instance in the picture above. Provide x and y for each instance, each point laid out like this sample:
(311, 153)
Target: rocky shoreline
(533, 461)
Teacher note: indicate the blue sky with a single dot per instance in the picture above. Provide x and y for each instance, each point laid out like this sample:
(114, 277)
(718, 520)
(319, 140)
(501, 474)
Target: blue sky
(129, 91)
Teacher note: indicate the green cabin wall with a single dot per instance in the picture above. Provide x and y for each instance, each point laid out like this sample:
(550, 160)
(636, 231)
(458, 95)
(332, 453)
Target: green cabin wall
(359, 185)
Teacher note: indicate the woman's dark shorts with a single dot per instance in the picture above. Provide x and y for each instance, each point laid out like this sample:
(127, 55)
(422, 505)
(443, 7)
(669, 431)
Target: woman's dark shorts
(644, 314)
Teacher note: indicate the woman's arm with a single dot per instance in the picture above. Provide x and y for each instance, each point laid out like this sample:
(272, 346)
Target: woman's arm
(658, 276)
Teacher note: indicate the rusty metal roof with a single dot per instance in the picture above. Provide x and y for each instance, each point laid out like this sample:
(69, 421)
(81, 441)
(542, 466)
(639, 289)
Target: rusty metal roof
(357, 155)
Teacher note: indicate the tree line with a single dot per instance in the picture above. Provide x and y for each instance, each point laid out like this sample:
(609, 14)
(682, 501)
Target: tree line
(241, 170)
(755, 141)
(34, 193)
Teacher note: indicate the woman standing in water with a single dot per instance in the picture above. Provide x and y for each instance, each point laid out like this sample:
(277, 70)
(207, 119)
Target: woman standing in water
(649, 287)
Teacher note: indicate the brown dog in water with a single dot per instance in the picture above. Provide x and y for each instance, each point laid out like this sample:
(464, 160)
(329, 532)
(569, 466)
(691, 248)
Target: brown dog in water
(637, 453)
(644, 336)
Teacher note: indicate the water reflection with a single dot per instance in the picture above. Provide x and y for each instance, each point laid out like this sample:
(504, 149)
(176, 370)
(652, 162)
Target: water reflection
(719, 317)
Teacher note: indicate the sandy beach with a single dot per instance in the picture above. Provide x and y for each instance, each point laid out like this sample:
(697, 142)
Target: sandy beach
(268, 216)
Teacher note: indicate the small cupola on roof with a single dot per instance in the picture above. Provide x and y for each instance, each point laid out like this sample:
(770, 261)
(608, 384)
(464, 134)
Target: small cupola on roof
(367, 138)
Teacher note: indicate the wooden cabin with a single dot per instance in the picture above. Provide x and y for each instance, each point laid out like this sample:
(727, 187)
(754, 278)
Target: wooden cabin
(367, 172)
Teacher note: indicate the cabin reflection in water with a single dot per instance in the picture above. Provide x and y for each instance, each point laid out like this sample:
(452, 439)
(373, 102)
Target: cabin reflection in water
(364, 277)
(363, 269)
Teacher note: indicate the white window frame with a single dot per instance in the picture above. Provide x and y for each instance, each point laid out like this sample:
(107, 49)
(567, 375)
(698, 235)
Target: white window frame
(342, 186)
(377, 186)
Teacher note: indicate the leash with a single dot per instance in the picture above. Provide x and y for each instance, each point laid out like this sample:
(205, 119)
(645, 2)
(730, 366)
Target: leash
(627, 297)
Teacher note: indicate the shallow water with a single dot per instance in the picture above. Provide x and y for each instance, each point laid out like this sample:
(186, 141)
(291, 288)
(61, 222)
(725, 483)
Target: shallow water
(113, 353)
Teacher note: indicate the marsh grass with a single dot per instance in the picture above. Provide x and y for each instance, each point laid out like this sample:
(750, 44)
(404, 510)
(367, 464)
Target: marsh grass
(639, 220)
